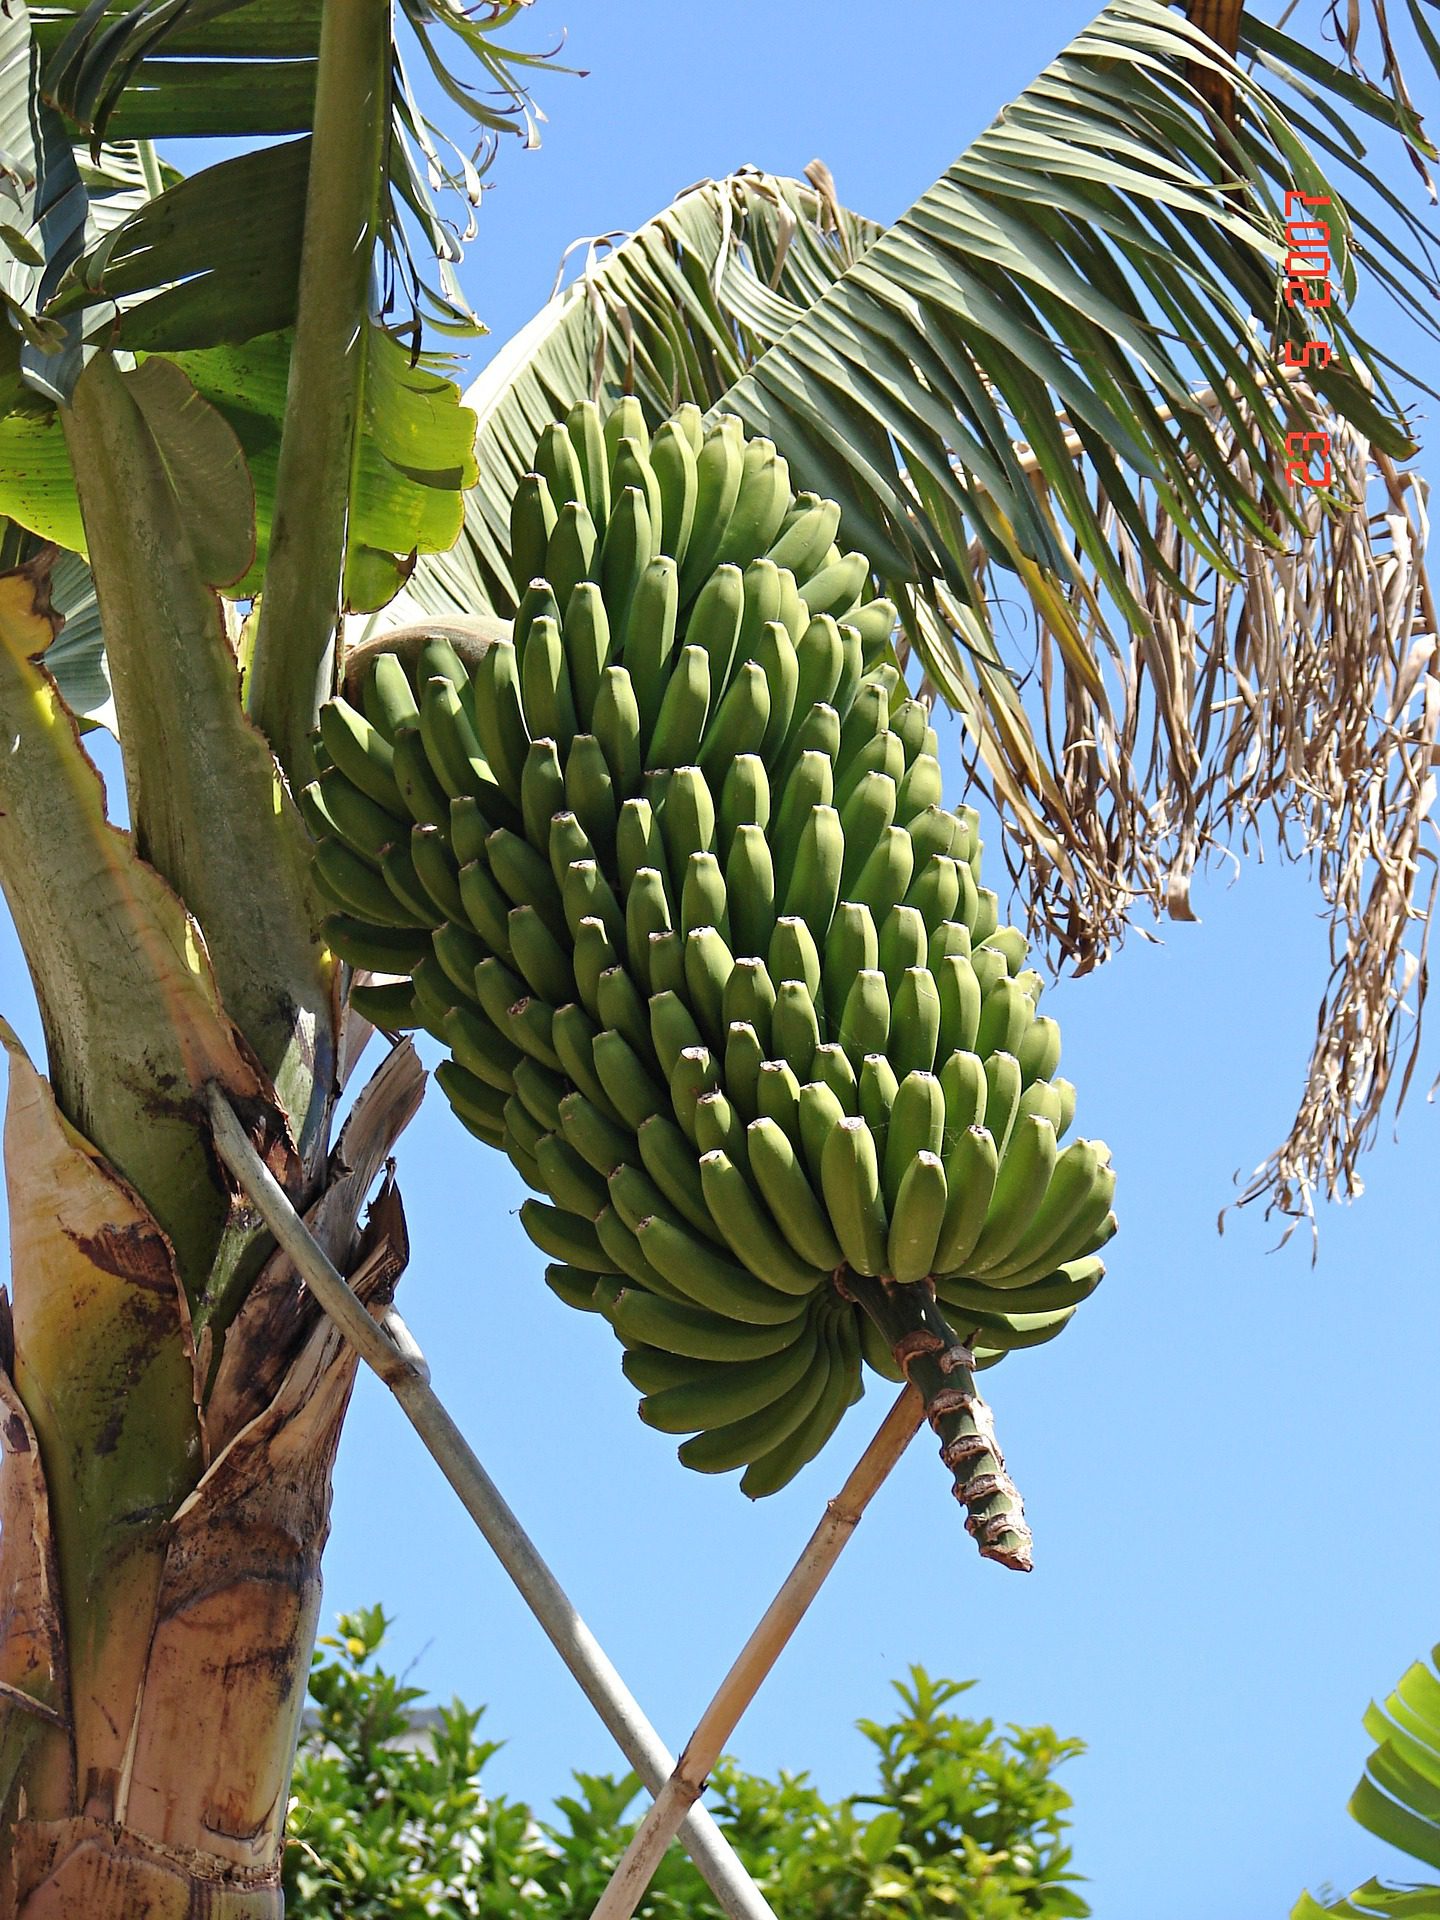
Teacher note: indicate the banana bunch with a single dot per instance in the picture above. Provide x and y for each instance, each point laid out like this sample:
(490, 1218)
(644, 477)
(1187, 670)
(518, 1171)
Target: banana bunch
(668, 874)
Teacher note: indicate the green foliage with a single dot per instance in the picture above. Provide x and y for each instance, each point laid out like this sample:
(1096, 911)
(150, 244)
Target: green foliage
(1397, 1800)
(963, 1820)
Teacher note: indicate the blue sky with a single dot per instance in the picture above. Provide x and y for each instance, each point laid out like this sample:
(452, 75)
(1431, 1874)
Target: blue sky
(1229, 1458)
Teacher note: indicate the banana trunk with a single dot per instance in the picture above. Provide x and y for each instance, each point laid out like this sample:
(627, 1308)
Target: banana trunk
(164, 1502)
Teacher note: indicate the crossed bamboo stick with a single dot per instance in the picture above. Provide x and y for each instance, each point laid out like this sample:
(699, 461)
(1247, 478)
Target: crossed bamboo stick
(386, 1346)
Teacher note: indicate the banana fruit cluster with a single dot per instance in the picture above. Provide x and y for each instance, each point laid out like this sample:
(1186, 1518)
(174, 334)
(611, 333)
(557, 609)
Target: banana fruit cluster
(668, 873)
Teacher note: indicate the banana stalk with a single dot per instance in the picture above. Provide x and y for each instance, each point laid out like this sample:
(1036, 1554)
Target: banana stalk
(940, 1368)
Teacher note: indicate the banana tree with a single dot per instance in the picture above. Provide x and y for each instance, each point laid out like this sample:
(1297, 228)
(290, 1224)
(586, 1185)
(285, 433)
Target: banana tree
(1072, 362)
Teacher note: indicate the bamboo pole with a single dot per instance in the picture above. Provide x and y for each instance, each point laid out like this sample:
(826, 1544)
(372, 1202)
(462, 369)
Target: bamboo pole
(400, 1364)
(682, 1790)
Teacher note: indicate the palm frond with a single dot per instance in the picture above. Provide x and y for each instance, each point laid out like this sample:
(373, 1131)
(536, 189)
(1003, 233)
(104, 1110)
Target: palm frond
(675, 311)
(1057, 381)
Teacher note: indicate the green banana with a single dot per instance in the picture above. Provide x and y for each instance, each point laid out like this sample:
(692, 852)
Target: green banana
(542, 1091)
(672, 1030)
(832, 1066)
(434, 872)
(1002, 1072)
(714, 623)
(680, 726)
(615, 723)
(750, 889)
(865, 1021)
(647, 912)
(749, 997)
(693, 1333)
(532, 521)
(786, 1191)
(670, 1161)
(367, 829)
(970, 1172)
(750, 1232)
(1076, 1199)
(935, 891)
(719, 469)
(917, 1125)
(361, 753)
(813, 888)
(819, 1110)
(426, 801)
(960, 1002)
(1005, 1017)
(485, 907)
(451, 744)
(741, 1442)
(877, 1089)
(915, 1022)
(542, 790)
(966, 1093)
(744, 1057)
(587, 437)
(836, 588)
(499, 715)
(590, 793)
(356, 888)
(703, 897)
(404, 882)
(599, 1142)
(461, 1090)
(719, 1128)
(570, 1284)
(774, 653)
(1039, 1050)
(726, 1392)
(761, 504)
(841, 1366)
(694, 1075)
(672, 461)
(568, 1180)
(626, 1079)
(564, 1236)
(805, 539)
(572, 1033)
(708, 962)
(851, 948)
(630, 466)
(884, 879)
(777, 1097)
(594, 952)
(389, 1005)
(917, 1216)
(708, 1279)
(542, 959)
(920, 788)
(648, 638)
(744, 799)
(387, 695)
(626, 551)
(850, 1179)
(868, 813)
(618, 1005)
(904, 942)
(794, 954)
(739, 721)
(558, 465)
(794, 1031)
